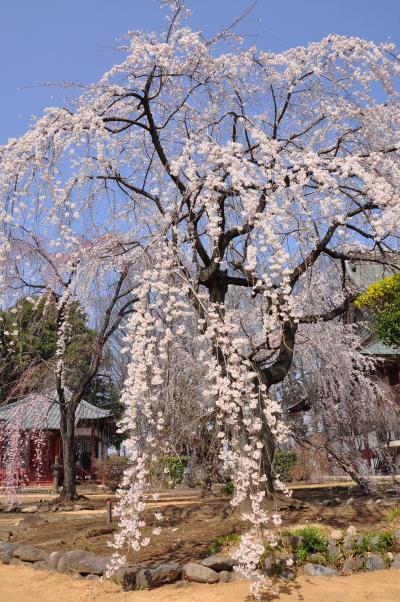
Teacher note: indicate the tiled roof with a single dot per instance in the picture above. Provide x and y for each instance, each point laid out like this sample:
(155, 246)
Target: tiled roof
(42, 411)
(363, 274)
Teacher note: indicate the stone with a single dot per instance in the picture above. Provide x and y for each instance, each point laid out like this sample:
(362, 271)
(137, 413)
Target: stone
(374, 563)
(15, 562)
(359, 563)
(29, 509)
(80, 561)
(5, 535)
(52, 560)
(224, 576)
(126, 577)
(6, 551)
(218, 563)
(332, 550)
(41, 565)
(169, 572)
(316, 570)
(336, 534)
(237, 576)
(351, 530)
(397, 537)
(350, 501)
(143, 579)
(93, 577)
(30, 554)
(348, 543)
(199, 573)
(396, 562)
(347, 566)
(139, 577)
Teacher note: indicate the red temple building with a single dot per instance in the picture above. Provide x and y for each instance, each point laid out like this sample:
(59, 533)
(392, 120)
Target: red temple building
(30, 439)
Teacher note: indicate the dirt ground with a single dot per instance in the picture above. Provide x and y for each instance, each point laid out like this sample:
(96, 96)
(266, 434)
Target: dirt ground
(191, 523)
(20, 584)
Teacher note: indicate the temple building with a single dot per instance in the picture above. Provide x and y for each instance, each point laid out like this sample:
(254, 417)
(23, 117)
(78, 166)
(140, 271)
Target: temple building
(30, 439)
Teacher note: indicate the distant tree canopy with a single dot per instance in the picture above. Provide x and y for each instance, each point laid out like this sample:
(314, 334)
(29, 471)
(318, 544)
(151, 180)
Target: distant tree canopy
(382, 300)
(28, 345)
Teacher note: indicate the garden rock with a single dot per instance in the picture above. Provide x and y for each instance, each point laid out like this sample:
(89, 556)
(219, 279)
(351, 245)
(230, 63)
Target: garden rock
(224, 576)
(126, 577)
(316, 570)
(374, 563)
(351, 530)
(6, 552)
(218, 563)
(80, 561)
(332, 550)
(5, 535)
(168, 572)
(199, 573)
(336, 534)
(396, 562)
(348, 566)
(41, 565)
(348, 543)
(53, 559)
(359, 563)
(30, 554)
(237, 576)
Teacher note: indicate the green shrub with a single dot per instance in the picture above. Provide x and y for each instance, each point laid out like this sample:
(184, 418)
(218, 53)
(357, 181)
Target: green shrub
(314, 542)
(168, 471)
(284, 462)
(378, 543)
(229, 488)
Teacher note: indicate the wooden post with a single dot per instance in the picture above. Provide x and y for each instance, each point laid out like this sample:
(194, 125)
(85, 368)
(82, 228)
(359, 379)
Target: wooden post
(109, 512)
(56, 475)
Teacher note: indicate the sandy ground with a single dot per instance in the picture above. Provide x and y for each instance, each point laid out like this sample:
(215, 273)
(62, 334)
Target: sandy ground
(21, 584)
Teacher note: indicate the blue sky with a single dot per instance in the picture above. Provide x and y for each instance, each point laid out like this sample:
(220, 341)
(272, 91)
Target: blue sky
(73, 40)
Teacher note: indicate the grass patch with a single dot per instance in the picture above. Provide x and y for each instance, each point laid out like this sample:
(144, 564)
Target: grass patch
(393, 514)
(378, 543)
(314, 541)
(219, 542)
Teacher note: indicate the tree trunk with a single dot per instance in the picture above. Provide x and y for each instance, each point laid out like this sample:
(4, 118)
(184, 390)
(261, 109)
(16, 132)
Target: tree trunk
(365, 483)
(267, 458)
(67, 427)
